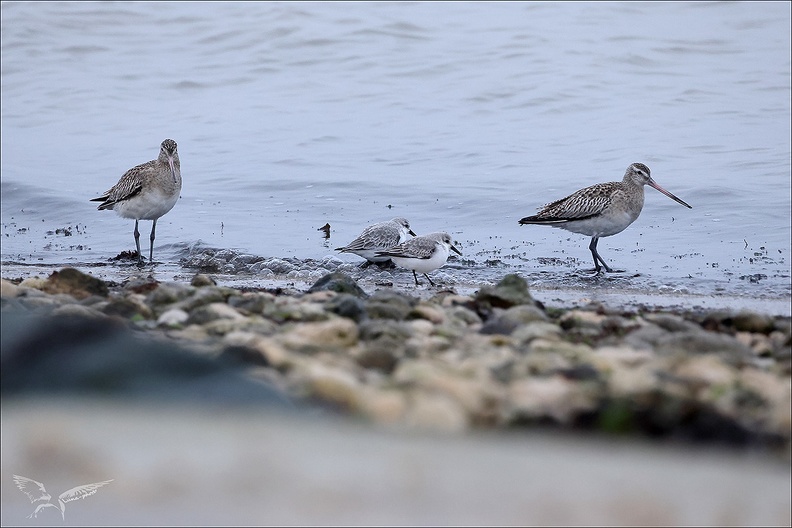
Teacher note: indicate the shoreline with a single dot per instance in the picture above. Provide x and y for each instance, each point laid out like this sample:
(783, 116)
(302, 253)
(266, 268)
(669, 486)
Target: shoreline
(562, 296)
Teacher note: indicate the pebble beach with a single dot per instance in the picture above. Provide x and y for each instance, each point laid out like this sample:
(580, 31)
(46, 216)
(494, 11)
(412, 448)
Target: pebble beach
(698, 401)
(494, 359)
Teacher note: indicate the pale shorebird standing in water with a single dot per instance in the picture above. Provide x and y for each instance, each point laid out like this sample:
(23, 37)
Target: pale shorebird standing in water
(601, 210)
(146, 192)
(423, 254)
(378, 237)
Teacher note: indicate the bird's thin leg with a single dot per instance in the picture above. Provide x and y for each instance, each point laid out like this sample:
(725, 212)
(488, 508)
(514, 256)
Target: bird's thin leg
(151, 251)
(416, 277)
(366, 264)
(137, 242)
(427, 278)
(598, 258)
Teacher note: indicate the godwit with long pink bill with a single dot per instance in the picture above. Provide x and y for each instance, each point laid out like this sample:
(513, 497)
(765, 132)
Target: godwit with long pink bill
(601, 210)
(146, 192)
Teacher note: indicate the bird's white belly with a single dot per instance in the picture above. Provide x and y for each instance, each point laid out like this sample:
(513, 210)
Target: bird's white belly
(146, 205)
(438, 258)
(600, 226)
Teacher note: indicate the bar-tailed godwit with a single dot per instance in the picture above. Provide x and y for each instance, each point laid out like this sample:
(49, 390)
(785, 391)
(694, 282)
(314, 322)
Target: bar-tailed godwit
(146, 192)
(601, 210)
(423, 254)
(378, 237)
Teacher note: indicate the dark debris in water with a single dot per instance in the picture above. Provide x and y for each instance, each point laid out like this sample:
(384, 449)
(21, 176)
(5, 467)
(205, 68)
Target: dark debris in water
(755, 278)
(326, 230)
(125, 255)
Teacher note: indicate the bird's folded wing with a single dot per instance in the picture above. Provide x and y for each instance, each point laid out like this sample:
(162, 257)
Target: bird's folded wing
(577, 206)
(413, 248)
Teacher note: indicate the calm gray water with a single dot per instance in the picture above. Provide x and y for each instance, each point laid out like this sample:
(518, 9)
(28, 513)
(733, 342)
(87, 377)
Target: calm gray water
(462, 117)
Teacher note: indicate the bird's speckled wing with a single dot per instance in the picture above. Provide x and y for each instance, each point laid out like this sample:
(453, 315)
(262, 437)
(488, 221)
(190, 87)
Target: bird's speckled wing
(579, 205)
(419, 247)
(378, 236)
(33, 489)
(83, 491)
(128, 186)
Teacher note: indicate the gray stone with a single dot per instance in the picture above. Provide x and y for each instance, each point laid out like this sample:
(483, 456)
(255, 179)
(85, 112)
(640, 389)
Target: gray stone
(338, 282)
(211, 312)
(507, 321)
(510, 291)
(702, 342)
(347, 305)
(389, 305)
(201, 279)
(671, 322)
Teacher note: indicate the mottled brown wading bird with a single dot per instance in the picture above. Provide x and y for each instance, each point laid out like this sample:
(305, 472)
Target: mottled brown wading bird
(601, 210)
(146, 192)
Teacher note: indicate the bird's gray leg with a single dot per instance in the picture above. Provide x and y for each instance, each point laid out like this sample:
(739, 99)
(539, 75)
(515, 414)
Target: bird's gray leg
(151, 250)
(137, 242)
(416, 277)
(597, 258)
(427, 278)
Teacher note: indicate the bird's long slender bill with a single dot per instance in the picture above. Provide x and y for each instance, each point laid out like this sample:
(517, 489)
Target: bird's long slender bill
(455, 250)
(654, 184)
(172, 168)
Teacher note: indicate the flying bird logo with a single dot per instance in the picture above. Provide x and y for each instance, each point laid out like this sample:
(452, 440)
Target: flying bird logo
(36, 493)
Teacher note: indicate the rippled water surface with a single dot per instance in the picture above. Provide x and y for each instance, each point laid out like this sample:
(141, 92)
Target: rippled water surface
(462, 117)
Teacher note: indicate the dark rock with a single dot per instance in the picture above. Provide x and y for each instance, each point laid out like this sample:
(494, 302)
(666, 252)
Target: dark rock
(244, 355)
(141, 285)
(378, 356)
(204, 296)
(348, 306)
(250, 303)
(76, 284)
(676, 419)
(338, 282)
(384, 343)
(671, 322)
(168, 294)
(499, 325)
(746, 321)
(102, 358)
(201, 279)
(583, 372)
(212, 312)
(699, 342)
(510, 291)
(389, 305)
(374, 329)
(126, 308)
(509, 320)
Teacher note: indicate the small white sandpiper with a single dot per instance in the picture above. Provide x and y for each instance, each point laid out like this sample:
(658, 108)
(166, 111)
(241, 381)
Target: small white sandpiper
(601, 210)
(378, 237)
(146, 192)
(423, 254)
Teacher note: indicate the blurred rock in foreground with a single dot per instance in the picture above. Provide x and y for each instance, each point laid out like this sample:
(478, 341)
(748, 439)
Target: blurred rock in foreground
(179, 467)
